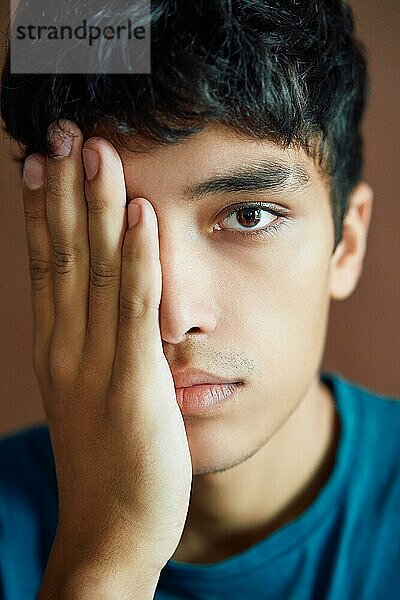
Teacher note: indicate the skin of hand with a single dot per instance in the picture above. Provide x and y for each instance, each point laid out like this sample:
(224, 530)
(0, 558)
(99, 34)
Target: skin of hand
(122, 458)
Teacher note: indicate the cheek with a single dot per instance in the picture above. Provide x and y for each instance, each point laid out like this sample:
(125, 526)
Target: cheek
(277, 302)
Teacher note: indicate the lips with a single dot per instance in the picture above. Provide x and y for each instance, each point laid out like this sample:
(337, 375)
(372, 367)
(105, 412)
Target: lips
(192, 377)
(198, 400)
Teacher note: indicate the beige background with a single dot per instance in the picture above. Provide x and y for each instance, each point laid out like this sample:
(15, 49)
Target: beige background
(364, 331)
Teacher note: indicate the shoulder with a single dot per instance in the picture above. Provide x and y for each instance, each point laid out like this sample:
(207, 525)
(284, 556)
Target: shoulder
(373, 419)
(378, 411)
(374, 408)
(368, 513)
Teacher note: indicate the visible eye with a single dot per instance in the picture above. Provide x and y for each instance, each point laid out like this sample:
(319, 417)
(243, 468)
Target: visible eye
(254, 215)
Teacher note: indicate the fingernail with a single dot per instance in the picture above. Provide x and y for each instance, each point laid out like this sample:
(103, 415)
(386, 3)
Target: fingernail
(91, 163)
(59, 140)
(34, 172)
(134, 211)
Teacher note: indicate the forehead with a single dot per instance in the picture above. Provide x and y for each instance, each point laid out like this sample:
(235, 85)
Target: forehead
(217, 149)
(215, 142)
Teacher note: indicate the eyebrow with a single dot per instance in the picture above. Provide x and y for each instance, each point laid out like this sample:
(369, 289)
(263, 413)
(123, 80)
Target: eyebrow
(273, 176)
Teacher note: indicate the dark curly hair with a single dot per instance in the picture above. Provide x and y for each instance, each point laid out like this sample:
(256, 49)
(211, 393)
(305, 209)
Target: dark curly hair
(291, 71)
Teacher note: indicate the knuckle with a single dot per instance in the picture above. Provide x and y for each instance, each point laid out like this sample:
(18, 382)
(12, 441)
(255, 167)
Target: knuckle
(34, 213)
(133, 258)
(97, 204)
(130, 254)
(59, 369)
(103, 274)
(59, 185)
(40, 273)
(132, 307)
(135, 307)
(65, 257)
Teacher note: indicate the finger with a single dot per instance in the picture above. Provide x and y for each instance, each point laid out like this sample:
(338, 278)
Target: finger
(67, 219)
(40, 255)
(106, 199)
(139, 345)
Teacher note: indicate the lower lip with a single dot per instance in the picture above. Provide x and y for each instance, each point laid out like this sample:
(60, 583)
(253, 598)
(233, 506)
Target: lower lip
(205, 398)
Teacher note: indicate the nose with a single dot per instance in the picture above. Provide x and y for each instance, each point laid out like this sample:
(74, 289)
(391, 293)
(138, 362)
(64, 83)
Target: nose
(187, 299)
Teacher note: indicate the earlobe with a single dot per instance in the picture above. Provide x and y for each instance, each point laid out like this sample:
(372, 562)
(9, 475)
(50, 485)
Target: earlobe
(347, 261)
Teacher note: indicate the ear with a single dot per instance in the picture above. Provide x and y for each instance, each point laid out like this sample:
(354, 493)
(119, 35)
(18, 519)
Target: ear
(347, 260)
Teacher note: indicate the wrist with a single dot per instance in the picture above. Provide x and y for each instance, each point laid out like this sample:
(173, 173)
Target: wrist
(65, 579)
(139, 585)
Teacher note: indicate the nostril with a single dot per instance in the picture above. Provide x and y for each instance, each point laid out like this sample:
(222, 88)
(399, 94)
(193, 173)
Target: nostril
(194, 330)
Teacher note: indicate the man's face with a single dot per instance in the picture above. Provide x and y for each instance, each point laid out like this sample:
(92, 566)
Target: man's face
(248, 307)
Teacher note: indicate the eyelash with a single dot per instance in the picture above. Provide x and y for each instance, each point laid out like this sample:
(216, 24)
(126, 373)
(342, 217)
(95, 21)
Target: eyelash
(272, 229)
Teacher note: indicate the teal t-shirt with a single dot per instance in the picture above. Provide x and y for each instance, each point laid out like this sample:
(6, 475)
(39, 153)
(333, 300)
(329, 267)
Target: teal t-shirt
(344, 546)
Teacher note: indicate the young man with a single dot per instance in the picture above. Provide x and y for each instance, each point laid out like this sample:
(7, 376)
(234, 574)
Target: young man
(193, 448)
